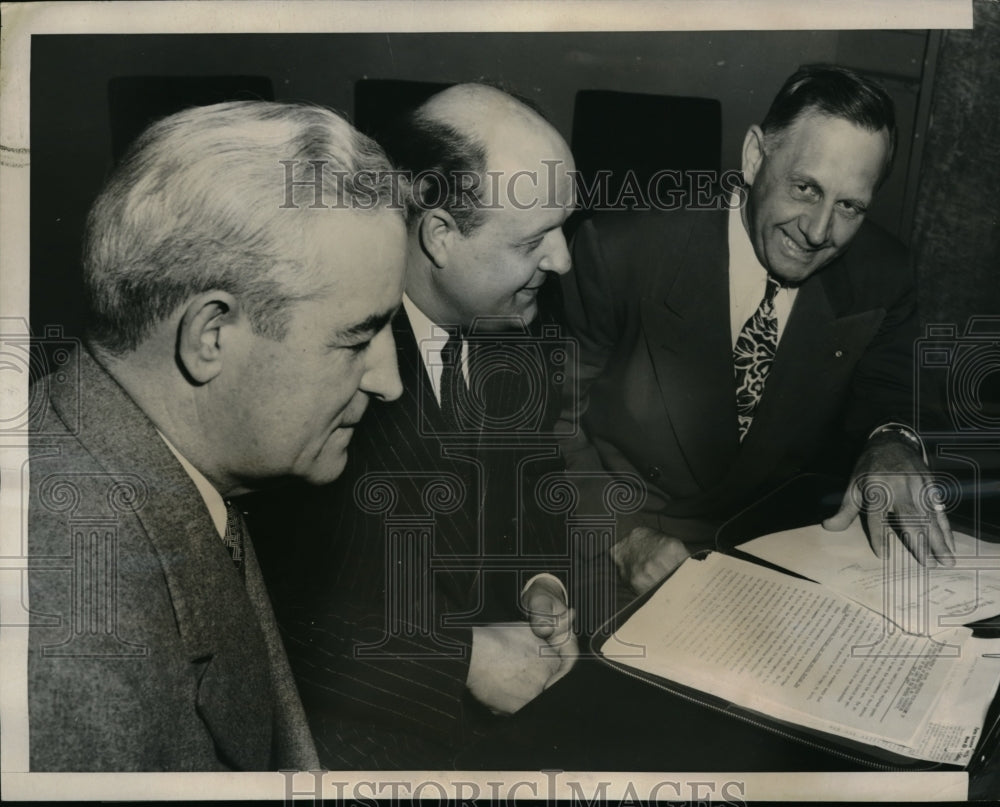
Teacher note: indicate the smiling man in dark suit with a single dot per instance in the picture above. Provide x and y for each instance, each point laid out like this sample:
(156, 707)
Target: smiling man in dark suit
(723, 350)
(238, 335)
(406, 638)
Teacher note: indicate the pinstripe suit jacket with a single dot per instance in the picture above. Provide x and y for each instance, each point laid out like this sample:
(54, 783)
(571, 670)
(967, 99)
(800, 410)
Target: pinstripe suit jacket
(146, 651)
(379, 641)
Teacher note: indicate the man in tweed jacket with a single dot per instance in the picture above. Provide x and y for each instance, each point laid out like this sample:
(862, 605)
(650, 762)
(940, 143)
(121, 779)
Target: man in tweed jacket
(238, 333)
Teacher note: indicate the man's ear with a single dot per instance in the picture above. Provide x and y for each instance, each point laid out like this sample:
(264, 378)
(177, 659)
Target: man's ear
(438, 232)
(200, 340)
(753, 153)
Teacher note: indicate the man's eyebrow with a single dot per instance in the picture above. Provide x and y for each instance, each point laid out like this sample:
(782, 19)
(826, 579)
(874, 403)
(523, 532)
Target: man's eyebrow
(804, 179)
(370, 324)
(534, 234)
(540, 231)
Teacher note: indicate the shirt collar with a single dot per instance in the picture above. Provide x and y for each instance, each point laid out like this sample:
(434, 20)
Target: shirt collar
(213, 499)
(748, 277)
(431, 338)
(745, 272)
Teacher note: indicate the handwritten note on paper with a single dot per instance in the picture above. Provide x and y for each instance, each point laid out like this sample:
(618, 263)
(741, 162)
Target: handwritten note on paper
(919, 599)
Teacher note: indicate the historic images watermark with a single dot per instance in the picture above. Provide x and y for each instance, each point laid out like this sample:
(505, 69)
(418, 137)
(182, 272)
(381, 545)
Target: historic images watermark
(956, 412)
(963, 423)
(966, 367)
(413, 505)
(504, 437)
(88, 508)
(44, 362)
(665, 190)
(547, 786)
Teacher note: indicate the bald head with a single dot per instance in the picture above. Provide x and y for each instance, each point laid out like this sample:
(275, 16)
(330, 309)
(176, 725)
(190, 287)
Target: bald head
(513, 136)
(467, 105)
(460, 136)
(490, 116)
(493, 185)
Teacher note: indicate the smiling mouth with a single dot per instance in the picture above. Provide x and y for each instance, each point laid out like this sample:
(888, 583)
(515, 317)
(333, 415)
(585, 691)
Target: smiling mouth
(352, 419)
(793, 248)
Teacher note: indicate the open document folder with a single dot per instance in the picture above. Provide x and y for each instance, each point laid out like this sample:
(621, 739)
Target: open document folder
(803, 654)
(919, 599)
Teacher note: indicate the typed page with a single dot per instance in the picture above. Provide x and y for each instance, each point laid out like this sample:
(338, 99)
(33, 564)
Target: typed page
(795, 651)
(920, 599)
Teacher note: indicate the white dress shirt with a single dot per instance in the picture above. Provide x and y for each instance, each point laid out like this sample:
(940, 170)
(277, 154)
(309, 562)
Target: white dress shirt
(431, 339)
(748, 279)
(213, 499)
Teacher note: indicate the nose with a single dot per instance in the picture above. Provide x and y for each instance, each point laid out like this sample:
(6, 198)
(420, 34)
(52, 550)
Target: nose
(815, 223)
(557, 258)
(381, 376)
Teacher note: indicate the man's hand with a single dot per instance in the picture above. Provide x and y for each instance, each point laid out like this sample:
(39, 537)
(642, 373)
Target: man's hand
(889, 460)
(645, 556)
(551, 619)
(510, 666)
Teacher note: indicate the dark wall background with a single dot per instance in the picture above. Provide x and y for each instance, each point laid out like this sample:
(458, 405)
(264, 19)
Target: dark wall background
(956, 232)
(71, 132)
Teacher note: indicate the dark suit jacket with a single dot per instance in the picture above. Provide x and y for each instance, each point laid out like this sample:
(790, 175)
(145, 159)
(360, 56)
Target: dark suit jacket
(379, 577)
(146, 652)
(649, 302)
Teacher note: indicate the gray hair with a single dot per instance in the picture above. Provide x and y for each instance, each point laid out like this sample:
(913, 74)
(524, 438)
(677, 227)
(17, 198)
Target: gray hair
(215, 197)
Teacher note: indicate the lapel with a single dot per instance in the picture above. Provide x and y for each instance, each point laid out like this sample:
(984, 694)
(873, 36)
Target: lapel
(220, 637)
(685, 317)
(508, 367)
(420, 405)
(293, 744)
(813, 364)
(416, 423)
(418, 393)
(809, 334)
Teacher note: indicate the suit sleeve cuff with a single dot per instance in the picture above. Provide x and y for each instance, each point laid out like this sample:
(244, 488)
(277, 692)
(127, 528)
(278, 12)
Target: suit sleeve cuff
(546, 576)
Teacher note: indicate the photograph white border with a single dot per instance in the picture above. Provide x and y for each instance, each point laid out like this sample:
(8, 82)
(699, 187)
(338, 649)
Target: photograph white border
(23, 20)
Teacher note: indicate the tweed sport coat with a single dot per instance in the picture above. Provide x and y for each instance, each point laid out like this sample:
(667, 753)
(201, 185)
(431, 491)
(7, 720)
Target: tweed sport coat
(146, 652)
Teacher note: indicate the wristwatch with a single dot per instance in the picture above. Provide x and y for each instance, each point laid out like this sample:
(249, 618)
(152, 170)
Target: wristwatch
(906, 432)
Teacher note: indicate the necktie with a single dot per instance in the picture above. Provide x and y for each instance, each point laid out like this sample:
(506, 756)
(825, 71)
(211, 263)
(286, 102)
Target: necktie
(453, 390)
(752, 356)
(235, 536)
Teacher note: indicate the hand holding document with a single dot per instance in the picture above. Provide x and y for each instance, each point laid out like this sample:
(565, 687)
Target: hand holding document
(919, 599)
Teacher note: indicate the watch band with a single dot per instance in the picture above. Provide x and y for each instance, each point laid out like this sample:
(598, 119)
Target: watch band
(904, 431)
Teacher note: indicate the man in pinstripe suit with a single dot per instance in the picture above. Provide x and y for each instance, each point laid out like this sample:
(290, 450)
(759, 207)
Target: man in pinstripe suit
(402, 634)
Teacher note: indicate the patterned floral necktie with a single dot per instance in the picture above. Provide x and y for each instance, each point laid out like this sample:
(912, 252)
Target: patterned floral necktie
(752, 356)
(235, 536)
